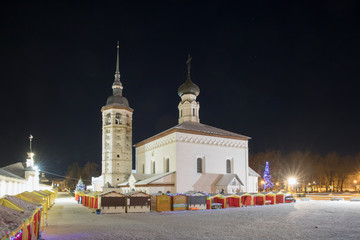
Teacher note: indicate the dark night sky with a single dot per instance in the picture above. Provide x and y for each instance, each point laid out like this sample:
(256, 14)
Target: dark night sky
(285, 74)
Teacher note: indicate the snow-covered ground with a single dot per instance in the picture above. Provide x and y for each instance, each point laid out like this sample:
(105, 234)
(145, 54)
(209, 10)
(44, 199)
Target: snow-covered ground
(300, 220)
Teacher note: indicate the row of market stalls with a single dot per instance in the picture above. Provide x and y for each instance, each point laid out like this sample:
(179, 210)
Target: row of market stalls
(24, 215)
(116, 202)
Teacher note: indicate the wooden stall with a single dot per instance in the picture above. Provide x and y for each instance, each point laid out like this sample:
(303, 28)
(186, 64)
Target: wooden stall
(234, 201)
(246, 199)
(270, 198)
(280, 197)
(196, 200)
(180, 203)
(160, 202)
(112, 202)
(259, 199)
(222, 199)
(138, 202)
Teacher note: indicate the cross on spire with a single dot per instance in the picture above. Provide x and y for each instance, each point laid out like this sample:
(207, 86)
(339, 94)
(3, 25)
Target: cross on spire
(188, 62)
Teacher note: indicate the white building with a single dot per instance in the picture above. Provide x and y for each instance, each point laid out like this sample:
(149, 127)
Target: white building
(19, 177)
(192, 155)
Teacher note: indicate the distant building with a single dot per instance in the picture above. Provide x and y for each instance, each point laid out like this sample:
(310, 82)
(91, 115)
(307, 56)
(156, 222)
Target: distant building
(19, 177)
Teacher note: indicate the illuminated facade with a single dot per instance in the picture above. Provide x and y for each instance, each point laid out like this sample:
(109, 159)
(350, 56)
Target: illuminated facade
(192, 155)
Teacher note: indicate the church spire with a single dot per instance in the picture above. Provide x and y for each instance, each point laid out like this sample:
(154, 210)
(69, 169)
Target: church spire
(188, 62)
(117, 86)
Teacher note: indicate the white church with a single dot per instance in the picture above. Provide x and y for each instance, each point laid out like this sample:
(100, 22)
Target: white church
(190, 156)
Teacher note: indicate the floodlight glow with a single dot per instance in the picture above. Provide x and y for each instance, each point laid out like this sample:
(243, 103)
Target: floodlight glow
(292, 181)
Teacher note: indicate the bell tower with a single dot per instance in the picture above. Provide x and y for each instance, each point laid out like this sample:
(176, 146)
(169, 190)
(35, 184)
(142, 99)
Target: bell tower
(188, 106)
(116, 134)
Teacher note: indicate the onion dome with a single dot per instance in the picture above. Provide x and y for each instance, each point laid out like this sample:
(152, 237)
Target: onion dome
(188, 87)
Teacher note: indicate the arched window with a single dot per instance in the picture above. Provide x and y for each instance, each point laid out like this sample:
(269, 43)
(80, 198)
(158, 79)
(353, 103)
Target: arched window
(153, 170)
(127, 120)
(228, 166)
(118, 119)
(193, 111)
(108, 119)
(143, 168)
(167, 165)
(199, 165)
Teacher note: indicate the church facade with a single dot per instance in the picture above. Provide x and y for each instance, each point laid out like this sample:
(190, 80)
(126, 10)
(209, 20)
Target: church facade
(192, 155)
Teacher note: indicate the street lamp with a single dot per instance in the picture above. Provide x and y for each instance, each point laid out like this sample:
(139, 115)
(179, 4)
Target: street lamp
(291, 182)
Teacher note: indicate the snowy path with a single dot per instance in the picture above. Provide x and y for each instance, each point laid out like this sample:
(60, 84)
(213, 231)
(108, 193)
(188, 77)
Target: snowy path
(302, 220)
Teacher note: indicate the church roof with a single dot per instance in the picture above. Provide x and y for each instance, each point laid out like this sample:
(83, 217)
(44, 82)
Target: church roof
(253, 173)
(196, 128)
(227, 178)
(9, 174)
(207, 182)
(153, 178)
(17, 169)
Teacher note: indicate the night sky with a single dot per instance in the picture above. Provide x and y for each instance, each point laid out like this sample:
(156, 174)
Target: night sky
(285, 74)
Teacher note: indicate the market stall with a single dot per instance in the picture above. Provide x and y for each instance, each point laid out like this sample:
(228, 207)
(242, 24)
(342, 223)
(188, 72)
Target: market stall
(161, 202)
(137, 202)
(180, 202)
(112, 202)
(196, 200)
(234, 201)
(259, 199)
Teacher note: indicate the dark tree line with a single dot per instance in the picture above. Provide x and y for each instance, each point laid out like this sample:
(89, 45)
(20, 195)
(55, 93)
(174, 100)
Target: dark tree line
(310, 169)
(75, 171)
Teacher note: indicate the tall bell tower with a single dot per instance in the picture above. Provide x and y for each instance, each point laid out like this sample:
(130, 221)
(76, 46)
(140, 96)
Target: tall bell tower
(116, 134)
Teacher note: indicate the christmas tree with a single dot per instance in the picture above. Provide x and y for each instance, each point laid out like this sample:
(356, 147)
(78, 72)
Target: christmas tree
(80, 186)
(268, 184)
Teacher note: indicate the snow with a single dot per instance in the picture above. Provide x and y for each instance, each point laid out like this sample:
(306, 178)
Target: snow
(300, 220)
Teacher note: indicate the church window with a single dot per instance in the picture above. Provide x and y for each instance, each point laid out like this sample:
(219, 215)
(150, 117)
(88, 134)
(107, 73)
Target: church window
(143, 168)
(108, 119)
(181, 113)
(228, 166)
(199, 165)
(153, 170)
(193, 111)
(127, 120)
(118, 155)
(118, 119)
(167, 165)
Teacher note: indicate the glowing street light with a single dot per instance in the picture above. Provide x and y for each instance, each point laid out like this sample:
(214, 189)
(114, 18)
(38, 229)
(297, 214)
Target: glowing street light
(292, 181)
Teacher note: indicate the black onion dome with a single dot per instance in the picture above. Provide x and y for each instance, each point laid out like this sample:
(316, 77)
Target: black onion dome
(188, 87)
(117, 100)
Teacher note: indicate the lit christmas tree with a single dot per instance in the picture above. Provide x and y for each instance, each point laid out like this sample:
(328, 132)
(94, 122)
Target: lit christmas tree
(268, 184)
(80, 186)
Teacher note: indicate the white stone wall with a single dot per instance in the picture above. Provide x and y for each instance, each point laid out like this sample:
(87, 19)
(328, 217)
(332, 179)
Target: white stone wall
(157, 152)
(116, 145)
(13, 186)
(214, 151)
(183, 149)
(253, 184)
(188, 109)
